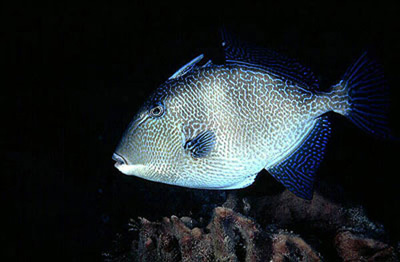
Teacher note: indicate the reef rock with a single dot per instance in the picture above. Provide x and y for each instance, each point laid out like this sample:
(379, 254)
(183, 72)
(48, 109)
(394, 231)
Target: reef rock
(228, 237)
(271, 228)
(289, 247)
(352, 247)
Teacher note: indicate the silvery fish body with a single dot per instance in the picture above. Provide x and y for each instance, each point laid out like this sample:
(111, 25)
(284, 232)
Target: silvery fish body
(218, 126)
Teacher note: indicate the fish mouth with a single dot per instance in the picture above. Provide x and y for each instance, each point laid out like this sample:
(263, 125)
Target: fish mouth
(119, 160)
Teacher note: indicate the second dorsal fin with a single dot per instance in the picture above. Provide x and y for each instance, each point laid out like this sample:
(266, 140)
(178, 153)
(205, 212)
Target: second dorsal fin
(277, 64)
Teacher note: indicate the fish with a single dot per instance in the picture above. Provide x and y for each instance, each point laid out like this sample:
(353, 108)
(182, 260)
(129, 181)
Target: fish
(216, 126)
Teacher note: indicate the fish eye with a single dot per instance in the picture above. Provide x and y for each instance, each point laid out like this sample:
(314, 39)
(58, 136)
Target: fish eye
(157, 111)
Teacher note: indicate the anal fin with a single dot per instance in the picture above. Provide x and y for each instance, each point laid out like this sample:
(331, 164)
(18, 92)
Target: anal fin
(297, 171)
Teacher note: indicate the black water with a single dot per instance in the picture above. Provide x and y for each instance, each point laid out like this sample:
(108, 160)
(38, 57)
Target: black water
(77, 74)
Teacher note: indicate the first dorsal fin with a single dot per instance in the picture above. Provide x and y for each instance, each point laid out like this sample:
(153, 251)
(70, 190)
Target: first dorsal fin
(296, 172)
(279, 65)
(186, 68)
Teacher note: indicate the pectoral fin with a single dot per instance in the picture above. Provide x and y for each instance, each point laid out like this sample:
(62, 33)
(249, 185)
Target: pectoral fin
(201, 145)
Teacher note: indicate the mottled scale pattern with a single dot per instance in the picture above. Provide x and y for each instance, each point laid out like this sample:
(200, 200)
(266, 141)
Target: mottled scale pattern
(258, 119)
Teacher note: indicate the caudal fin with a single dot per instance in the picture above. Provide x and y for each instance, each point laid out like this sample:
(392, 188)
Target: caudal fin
(368, 96)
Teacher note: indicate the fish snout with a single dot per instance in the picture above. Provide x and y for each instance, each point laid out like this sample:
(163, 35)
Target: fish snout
(119, 160)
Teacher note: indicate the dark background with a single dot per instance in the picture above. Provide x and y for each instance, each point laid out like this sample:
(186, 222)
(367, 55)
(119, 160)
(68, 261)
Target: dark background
(76, 74)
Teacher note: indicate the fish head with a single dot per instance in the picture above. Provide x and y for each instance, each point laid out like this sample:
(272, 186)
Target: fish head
(150, 147)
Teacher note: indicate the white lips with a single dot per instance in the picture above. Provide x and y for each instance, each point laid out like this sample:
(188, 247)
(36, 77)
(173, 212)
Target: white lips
(130, 169)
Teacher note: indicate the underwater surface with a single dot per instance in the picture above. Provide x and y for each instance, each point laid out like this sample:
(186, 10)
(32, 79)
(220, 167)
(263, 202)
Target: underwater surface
(79, 75)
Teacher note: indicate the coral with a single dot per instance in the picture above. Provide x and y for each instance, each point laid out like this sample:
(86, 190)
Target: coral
(261, 229)
(228, 237)
(319, 214)
(289, 247)
(352, 247)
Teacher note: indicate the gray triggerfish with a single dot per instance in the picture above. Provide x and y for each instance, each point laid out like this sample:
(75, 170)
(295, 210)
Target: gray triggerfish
(216, 126)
